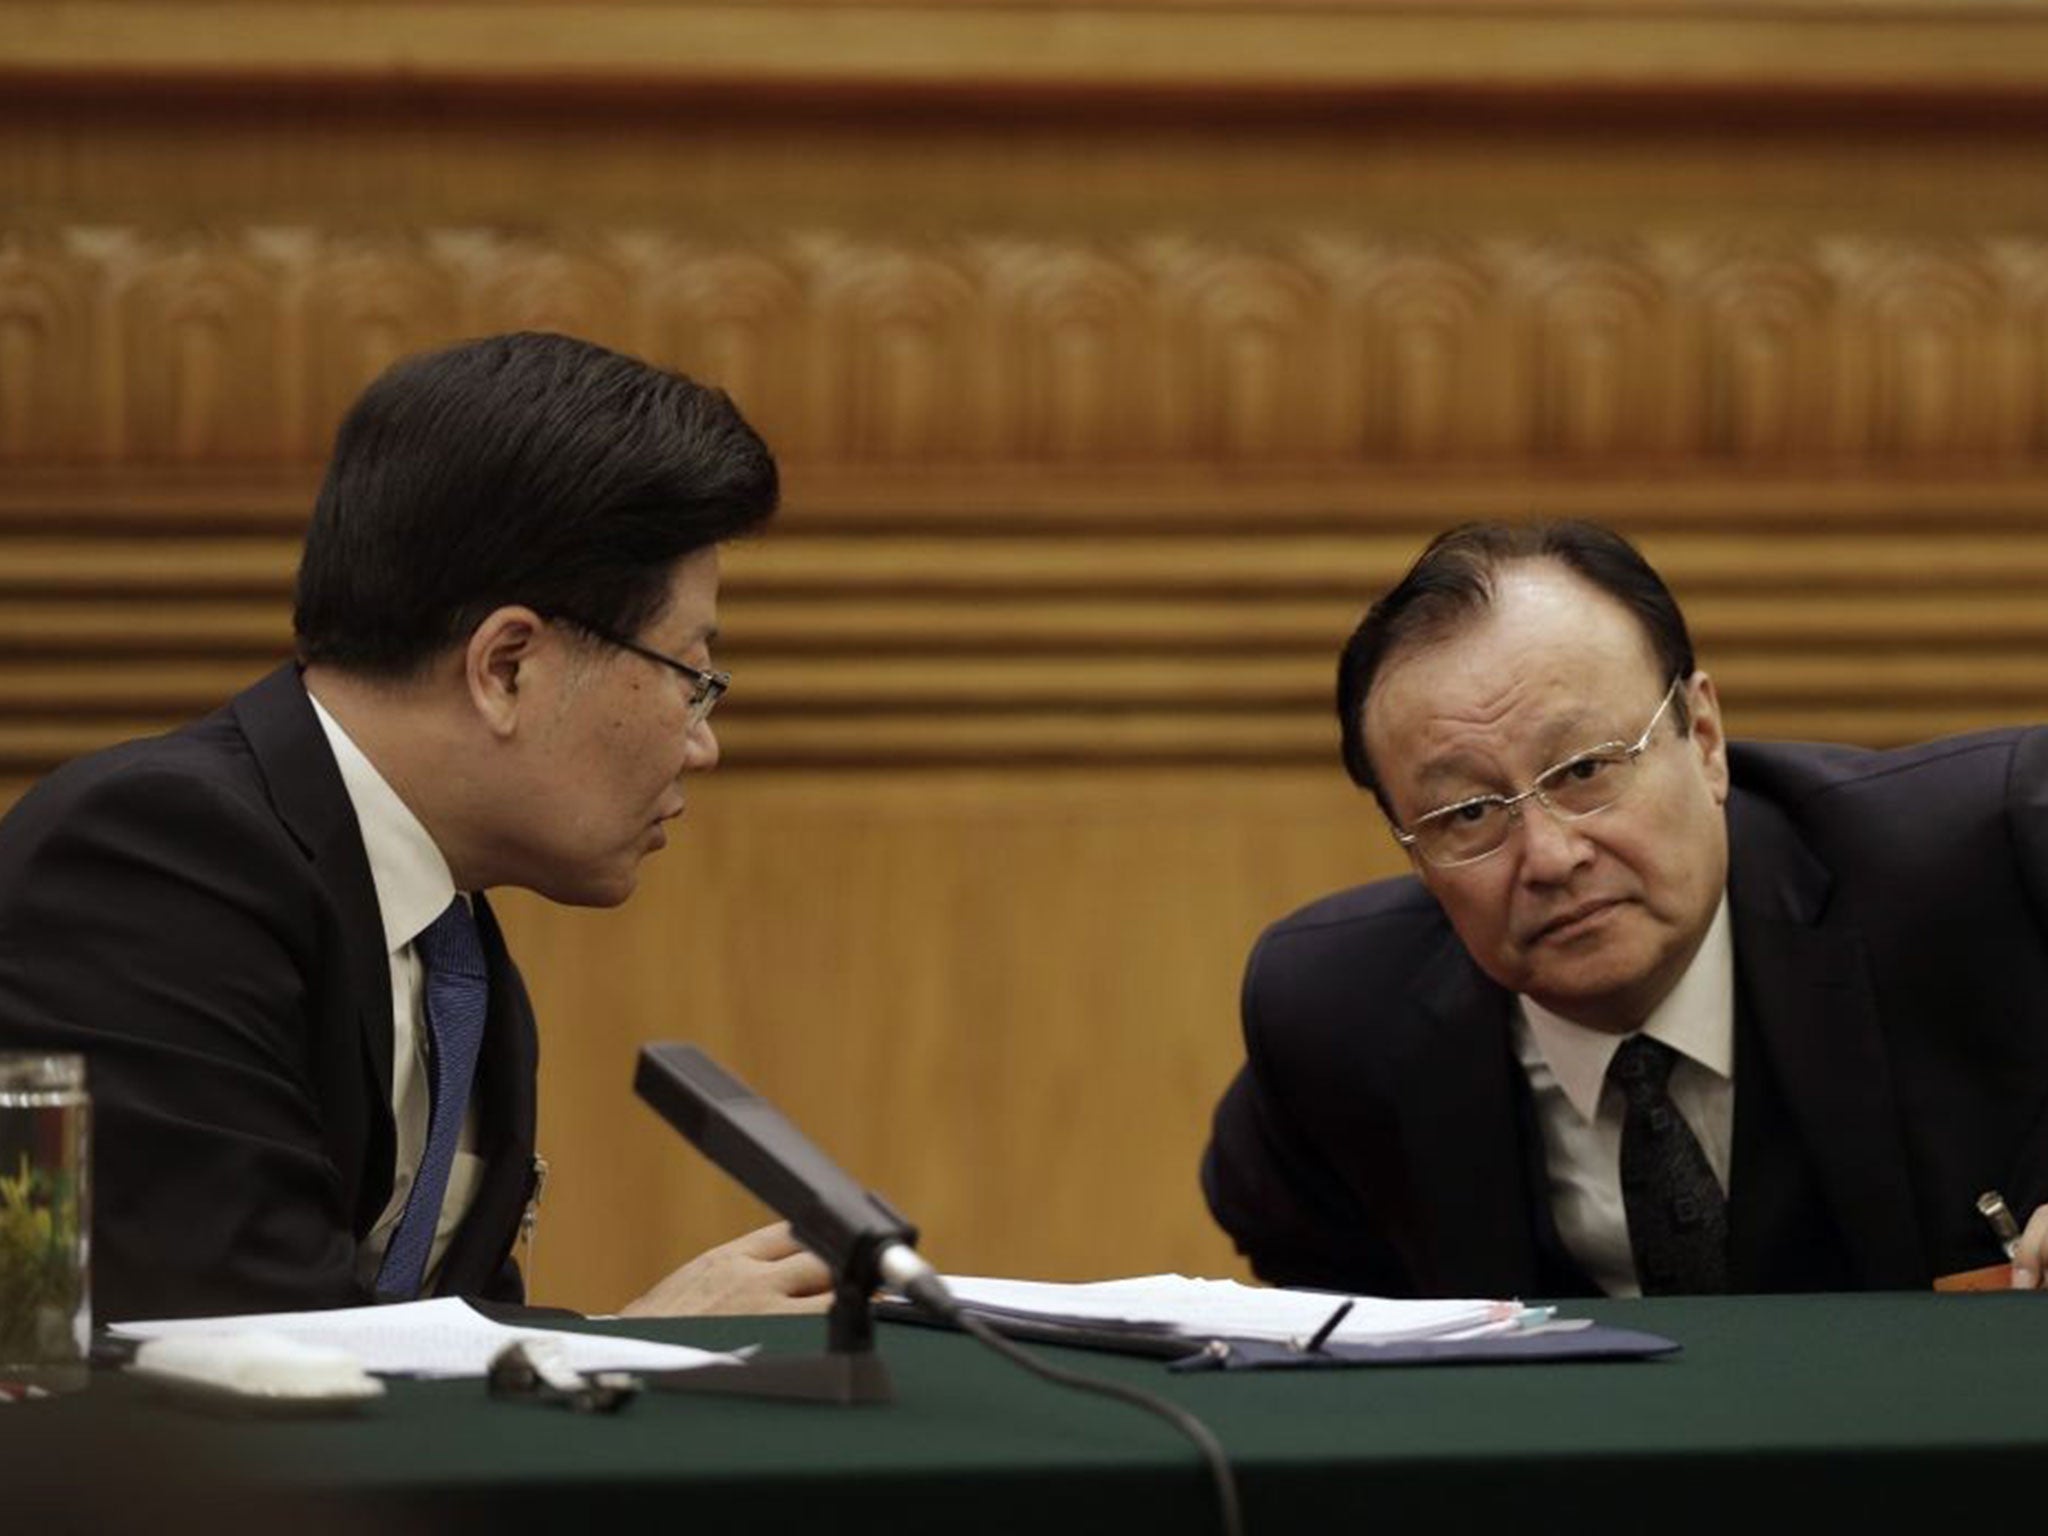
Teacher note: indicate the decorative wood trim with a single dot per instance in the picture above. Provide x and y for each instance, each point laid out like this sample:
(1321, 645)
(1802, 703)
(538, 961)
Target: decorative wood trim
(931, 625)
(157, 345)
(240, 502)
(1221, 49)
(1100, 479)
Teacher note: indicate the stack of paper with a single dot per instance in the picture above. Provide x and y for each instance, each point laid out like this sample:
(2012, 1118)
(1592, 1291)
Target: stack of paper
(441, 1338)
(1224, 1309)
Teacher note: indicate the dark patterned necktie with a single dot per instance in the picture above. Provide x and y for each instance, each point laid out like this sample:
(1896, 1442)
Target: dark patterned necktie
(1677, 1215)
(457, 997)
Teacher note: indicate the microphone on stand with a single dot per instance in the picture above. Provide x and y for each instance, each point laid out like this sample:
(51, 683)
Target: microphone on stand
(862, 1240)
(866, 1244)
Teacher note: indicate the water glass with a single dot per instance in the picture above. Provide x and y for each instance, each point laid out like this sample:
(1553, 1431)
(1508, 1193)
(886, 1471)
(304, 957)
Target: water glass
(45, 1222)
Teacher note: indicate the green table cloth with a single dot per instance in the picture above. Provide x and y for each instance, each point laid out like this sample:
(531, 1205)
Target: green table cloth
(1881, 1411)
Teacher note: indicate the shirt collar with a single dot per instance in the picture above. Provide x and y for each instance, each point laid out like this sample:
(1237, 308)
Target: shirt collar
(414, 884)
(1696, 1019)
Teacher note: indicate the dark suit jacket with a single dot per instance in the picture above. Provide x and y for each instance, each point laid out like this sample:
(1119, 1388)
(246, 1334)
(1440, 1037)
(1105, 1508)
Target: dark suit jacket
(1890, 916)
(195, 913)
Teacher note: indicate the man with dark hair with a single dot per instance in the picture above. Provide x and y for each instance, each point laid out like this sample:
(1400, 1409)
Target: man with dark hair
(312, 1059)
(1656, 1011)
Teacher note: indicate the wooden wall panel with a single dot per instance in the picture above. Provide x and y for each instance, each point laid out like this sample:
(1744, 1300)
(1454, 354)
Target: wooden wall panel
(1116, 355)
(1007, 999)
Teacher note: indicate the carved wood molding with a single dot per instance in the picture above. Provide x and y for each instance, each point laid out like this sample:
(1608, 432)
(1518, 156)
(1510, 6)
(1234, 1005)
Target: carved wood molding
(125, 343)
(1104, 501)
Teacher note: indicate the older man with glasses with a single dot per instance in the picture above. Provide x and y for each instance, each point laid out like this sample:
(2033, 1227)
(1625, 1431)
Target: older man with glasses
(1656, 1012)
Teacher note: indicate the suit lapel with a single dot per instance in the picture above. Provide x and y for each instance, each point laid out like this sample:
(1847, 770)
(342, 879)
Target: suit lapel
(1461, 1126)
(306, 788)
(1804, 980)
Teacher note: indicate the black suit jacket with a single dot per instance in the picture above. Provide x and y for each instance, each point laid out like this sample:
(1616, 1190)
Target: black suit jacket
(195, 913)
(1890, 917)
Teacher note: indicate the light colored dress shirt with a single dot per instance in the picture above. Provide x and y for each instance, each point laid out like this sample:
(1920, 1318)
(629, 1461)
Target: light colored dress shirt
(414, 887)
(1580, 1112)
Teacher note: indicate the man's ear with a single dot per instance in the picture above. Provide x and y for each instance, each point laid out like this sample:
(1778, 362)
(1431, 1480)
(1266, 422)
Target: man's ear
(499, 662)
(1703, 707)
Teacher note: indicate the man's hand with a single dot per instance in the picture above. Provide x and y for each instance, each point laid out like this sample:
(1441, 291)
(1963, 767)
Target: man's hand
(766, 1271)
(2030, 1253)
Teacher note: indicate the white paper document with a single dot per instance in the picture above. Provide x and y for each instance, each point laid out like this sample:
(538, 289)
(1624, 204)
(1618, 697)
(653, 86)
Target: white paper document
(1224, 1309)
(443, 1338)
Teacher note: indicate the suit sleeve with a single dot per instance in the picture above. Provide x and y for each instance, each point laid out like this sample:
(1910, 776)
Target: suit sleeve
(174, 934)
(1267, 1183)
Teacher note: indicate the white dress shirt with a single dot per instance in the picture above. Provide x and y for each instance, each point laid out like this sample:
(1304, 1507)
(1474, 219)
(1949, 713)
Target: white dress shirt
(414, 887)
(1580, 1112)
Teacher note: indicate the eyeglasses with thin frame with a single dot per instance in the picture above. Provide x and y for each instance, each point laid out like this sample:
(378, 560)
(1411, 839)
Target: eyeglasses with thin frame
(1584, 784)
(706, 687)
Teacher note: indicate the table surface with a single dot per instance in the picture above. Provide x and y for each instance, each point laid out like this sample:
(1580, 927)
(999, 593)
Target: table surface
(1872, 1403)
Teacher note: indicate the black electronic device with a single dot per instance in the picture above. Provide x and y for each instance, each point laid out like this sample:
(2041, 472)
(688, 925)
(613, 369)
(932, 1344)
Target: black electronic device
(867, 1245)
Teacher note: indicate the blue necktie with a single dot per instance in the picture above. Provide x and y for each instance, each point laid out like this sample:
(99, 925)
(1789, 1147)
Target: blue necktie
(457, 995)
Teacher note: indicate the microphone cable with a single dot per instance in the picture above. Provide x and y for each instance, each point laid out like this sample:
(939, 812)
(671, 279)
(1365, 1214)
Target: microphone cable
(853, 1230)
(930, 1292)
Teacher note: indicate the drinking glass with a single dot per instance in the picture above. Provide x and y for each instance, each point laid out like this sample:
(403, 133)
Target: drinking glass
(45, 1222)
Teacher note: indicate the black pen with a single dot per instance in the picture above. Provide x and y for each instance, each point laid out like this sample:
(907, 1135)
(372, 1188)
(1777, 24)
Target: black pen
(1992, 1204)
(1321, 1336)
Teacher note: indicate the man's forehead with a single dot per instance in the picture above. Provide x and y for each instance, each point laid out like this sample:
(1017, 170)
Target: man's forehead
(1451, 767)
(1540, 678)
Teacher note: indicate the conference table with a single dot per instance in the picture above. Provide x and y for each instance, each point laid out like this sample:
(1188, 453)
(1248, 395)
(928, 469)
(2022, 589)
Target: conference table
(1881, 1411)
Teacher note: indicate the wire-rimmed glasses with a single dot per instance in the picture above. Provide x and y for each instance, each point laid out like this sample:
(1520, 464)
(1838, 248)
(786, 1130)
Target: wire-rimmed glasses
(1584, 784)
(706, 687)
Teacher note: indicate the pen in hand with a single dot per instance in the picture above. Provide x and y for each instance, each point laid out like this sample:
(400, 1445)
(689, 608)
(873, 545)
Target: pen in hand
(1991, 1204)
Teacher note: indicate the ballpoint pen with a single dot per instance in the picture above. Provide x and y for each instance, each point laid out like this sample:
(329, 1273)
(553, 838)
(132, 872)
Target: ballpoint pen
(1992, 1204)
(1321, 1336)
